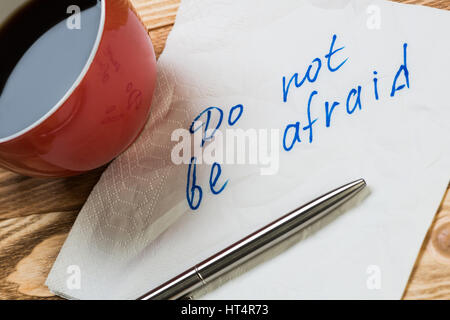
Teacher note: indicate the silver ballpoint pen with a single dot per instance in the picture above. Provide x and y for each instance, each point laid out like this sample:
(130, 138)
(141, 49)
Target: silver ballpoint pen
(183, 285)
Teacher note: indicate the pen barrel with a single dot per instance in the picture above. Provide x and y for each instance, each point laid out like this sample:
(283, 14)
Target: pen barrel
(275, 232)
(176, 288)
(247, 248)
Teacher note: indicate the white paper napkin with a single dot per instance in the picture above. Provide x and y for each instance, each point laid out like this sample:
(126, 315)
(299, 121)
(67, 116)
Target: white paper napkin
(137, 230)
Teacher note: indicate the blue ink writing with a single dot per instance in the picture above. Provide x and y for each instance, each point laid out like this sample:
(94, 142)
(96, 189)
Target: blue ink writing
(318, 62)
(403, 69)
(310, 123)
(292, 132)
(307, 76)
(375, 85)
(296, 137)
(331, 53)
(208, 112)
(240, 109)
(194, 192)
(214, 177)
(192, 188)
(353, 92)
(329, 112)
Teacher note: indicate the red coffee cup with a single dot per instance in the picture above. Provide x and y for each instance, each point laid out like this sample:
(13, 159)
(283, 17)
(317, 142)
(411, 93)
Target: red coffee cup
(103, 112)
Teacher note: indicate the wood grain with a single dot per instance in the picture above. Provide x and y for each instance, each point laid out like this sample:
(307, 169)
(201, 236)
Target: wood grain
(430, 278)
(37, 214)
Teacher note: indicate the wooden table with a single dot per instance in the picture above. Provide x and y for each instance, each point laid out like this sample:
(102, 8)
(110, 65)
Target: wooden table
(37, 214)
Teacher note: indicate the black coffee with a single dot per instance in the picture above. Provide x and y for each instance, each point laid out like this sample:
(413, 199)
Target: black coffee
(41, 56)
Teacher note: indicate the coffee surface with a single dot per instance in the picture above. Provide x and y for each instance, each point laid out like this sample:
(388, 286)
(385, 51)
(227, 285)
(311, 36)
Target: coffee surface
(42, 55)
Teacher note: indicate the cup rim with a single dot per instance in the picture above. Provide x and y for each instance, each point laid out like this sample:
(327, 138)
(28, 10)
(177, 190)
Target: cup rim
(76, 83)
